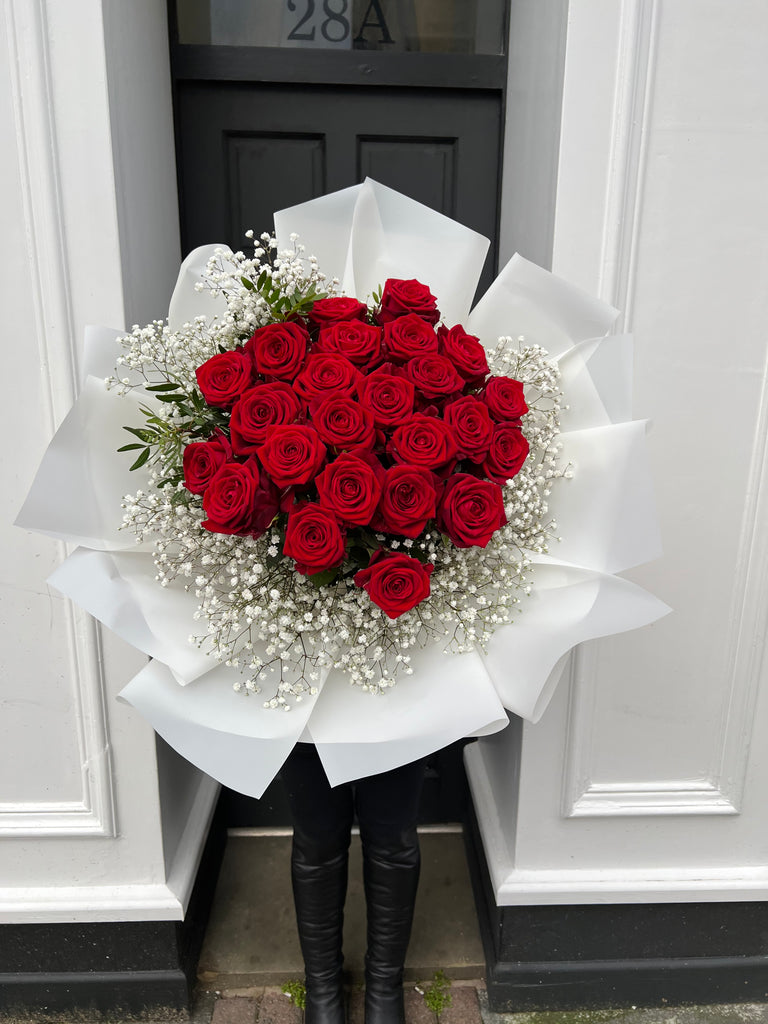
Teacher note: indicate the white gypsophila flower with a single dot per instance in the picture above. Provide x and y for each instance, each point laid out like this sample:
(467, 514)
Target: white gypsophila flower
(258, 613)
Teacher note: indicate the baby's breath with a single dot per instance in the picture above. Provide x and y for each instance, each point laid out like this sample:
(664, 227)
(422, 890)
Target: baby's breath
(277, 627)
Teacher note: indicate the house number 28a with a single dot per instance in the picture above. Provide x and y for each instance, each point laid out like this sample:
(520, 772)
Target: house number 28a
(334, 27)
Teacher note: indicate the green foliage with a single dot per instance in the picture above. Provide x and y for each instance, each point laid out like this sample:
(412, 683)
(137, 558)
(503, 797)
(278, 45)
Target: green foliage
(196, 420)
(296, 992)
(284, 306)
(437, 998)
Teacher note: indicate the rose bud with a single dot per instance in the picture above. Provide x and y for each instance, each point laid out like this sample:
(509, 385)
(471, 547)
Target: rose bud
(230, 500)
(351, 488)
(465, 352)
(279, 350)
(313, 539)
(343, 423)
(224, 377)
(389, 397)
(325, 372)
(507, 453)
(401, 297)
(408, 337)
(472, 427)
(292, 454)
(202, 460)
(470, 510)
(395, 582)
(408, 501)
(504, 398)
(265, 405)
(328, 311)
(423, 441)
(359, 342)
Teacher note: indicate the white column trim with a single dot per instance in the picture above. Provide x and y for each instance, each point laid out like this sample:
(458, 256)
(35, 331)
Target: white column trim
(37, 146)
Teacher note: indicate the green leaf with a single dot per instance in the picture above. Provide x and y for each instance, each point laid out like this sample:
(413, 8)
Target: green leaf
(247, 284)
(130, 447)
(171, 398)
(147, 436)
(141, 460)
(168, 386)
(322, 579)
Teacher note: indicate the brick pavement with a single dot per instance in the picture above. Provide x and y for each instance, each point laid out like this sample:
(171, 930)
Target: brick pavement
(271, 1006)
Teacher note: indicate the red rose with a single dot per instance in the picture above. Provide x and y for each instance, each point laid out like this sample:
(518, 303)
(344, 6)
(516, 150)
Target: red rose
(313, 538)
(328, 311)
(260, 407)
(292, 454)
(470, 510)
(423, 441)
(507, 453)
(464, 351)
(279, 350)
(202, 459)
(408, 337)
(359, 342)
(472, 427)
(390, 398)
(235, 500)
(343, 423)
(395, 582)
(401, 297)
(408, 501)
(504, 398)
(326, 372)
(434, 376)
(350, 487)
(224, 377)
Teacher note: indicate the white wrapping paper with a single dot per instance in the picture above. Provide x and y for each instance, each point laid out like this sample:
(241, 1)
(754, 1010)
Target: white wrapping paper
(605, 516)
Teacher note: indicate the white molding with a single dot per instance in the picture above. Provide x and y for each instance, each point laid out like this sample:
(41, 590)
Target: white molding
(52, 904)
(719, 791)
(517, 887)
(183, 870)
(626, 163)
(31, 84)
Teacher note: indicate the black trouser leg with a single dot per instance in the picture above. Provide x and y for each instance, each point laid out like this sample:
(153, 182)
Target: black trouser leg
(322, 824)
(387, 809)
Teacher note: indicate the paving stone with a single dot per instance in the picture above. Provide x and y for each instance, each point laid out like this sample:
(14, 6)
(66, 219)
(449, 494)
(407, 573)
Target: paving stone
(235, 1010)
(464, 1008)
(416, 1011)
(276, 1008)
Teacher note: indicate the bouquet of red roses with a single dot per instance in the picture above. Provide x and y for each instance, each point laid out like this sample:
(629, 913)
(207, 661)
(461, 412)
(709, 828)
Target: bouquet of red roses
(348, 423)
(342, 459)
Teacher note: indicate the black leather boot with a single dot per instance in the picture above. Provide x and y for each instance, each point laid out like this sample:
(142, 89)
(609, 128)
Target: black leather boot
(391, 876)
(319, 890)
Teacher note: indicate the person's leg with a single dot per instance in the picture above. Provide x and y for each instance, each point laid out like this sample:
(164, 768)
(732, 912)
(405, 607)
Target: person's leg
(387, 809)
(322, 821)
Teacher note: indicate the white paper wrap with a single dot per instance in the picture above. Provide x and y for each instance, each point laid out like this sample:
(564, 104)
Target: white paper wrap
(605, 515)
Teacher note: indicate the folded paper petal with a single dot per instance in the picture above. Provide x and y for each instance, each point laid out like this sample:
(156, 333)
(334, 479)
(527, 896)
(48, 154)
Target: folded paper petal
(596, 377)
(605, 514)
(119, 589)
(186, 302)
(241, 746)
(546, 310)
(369, 233)
(77, 493)
(567, 606)
(446, 698)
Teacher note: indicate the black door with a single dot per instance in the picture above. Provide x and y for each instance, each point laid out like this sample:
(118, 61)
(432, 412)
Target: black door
(314, 97)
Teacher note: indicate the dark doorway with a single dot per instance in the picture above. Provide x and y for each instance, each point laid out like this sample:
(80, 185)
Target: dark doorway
(279, 101)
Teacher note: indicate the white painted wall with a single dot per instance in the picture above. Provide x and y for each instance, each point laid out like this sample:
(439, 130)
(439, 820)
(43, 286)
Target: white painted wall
(645, 780)
(88, 207)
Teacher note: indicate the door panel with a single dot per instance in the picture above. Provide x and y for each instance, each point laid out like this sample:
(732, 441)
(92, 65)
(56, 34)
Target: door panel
(249, 149)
